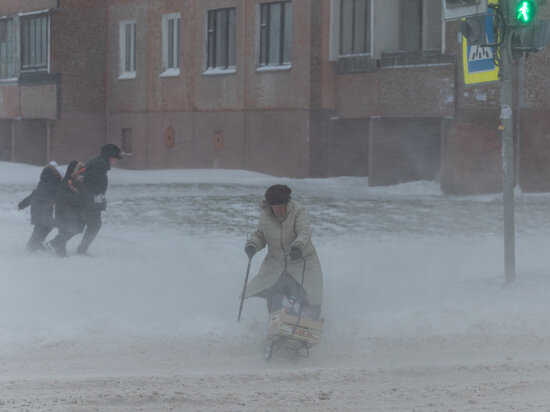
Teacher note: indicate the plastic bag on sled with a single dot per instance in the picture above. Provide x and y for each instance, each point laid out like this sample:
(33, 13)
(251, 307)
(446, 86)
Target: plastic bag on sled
(292, 306)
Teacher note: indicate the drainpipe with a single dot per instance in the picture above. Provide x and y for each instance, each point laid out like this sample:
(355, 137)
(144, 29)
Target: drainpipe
(48, 140)
(13, 140)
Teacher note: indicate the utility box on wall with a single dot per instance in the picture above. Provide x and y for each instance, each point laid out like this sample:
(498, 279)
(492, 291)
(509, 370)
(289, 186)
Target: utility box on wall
(459, 9)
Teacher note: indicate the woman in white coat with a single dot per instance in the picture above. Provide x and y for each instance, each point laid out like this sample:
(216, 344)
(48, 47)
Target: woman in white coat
(291, 267)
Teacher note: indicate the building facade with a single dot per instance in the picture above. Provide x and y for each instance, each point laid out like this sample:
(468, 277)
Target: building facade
(291, 88)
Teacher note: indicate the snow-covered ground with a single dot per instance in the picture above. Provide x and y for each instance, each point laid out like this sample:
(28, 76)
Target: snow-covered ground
(417, 316)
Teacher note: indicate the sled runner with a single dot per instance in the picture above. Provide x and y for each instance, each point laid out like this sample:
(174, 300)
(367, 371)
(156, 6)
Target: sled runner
(295, 334)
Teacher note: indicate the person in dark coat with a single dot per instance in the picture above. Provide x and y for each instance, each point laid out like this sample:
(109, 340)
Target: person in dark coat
(42, 201)
(94, 187)
(68, 209)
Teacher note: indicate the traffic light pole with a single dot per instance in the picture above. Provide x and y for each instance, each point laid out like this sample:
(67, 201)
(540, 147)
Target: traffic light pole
(508, 178)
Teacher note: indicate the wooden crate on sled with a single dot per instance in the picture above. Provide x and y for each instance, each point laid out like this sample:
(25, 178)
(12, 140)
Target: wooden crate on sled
(287, 326)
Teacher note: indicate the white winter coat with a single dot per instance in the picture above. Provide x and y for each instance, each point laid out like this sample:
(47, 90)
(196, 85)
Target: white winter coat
(280, 234)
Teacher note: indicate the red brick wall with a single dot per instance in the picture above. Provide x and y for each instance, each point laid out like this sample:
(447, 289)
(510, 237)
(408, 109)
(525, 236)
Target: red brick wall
(30, 142)
(79, 55)
(471, 154)
(180, 155)
(9, 101)
(534, 162)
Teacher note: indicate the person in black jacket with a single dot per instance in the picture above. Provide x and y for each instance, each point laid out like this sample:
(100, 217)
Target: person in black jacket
(93, 189)
(42, 201)
(68, 209)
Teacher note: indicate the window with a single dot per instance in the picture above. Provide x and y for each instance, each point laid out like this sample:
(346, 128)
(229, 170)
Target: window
(275, 33)
(126, 145)
(7, 56)
(221, 39)
(420, 27)
(127, 48)
(34, 42)
(171, 44)
(411, 25)
(354, 27)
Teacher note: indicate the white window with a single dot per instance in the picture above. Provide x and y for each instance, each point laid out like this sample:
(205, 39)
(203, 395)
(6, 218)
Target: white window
(35, 42)
(7, 49)
(127, 47)
(171, 44)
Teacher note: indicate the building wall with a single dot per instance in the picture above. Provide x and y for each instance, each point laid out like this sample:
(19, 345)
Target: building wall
(30, 142)
(348, 149)
(78, 54)
(127, 95)
(471, 160)
(471, 153)
(138, 124)
(171, 94)
(77, 135)
(404, 149)
(217, 118)
(5, 140)
(534, 115)
(308, 120)
(9, 7)
(277, 142)
(9, 101)
(163, 124)
(534, 159)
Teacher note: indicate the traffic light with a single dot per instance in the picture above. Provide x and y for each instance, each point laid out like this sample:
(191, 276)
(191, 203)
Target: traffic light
(530, 39)
(523, 12)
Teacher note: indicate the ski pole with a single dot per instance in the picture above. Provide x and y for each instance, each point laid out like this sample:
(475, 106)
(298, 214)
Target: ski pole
(244, 288)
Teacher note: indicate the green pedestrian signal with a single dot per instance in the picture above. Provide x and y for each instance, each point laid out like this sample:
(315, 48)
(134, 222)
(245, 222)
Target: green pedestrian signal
(525, 11)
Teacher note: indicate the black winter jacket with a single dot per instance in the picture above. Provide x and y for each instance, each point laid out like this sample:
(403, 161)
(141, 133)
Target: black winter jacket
(42, 199)
(69, 207)
(95, 180)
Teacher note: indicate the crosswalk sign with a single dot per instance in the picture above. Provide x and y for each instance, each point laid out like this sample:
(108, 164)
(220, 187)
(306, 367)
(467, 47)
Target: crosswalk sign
(478, 62)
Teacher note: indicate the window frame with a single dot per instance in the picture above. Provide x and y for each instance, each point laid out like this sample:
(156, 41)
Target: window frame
(367, 33)
(265, 59)
(27, 59)
(212, 66)
(386, 44)
(126, 141)
(406, 36)
(11, 55)
(171, 45)
(423, 29)
(123, 49)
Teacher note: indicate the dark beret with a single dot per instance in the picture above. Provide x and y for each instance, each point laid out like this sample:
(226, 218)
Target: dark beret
(278, 195)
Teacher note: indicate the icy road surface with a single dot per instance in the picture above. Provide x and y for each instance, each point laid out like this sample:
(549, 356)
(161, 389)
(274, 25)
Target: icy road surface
(416, 313)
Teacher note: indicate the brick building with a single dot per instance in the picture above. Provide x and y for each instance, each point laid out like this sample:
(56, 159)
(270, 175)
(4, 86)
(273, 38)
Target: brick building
(292, 88)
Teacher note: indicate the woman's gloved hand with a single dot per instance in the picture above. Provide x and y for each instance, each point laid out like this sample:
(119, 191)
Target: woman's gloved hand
(250, 250)
(295, 253)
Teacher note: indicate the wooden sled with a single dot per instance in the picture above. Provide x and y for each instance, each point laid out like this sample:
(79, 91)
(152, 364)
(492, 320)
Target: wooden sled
(293, 334)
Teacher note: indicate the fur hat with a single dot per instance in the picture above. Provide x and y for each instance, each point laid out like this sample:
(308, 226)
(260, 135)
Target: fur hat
(278, 195)
(110, 150)
(53, 164)
(51, 174)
